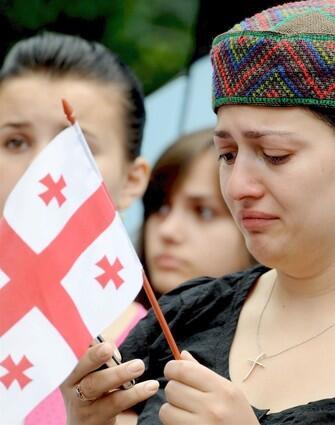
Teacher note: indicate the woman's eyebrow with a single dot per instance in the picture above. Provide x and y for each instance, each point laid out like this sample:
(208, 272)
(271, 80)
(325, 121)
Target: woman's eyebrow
(253, 134)
(222, 134)
(14, 124)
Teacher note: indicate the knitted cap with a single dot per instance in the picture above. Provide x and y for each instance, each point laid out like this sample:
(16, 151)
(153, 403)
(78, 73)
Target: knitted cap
(282, 56)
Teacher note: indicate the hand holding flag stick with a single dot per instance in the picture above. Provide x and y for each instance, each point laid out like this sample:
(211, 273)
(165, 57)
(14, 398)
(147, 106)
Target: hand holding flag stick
(68, 110)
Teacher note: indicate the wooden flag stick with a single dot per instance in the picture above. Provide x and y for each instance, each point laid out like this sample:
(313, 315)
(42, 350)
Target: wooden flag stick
(160, 317)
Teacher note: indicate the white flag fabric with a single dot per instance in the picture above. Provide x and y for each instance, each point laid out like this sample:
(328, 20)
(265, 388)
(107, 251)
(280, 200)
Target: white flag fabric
(67, 270)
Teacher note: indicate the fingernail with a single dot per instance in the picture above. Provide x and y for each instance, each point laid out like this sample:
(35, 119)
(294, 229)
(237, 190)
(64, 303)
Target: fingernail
(117, 354)
(135, 366)
(186, 355)
(151, 386)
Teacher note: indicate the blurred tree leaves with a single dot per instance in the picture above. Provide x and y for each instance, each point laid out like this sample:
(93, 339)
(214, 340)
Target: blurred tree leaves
(154, 37)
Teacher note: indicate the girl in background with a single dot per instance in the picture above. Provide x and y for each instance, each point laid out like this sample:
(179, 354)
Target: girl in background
(188, 230)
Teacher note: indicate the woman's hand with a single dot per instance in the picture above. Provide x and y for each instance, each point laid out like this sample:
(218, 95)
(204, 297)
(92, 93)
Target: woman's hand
(101, 399)
(197, 396)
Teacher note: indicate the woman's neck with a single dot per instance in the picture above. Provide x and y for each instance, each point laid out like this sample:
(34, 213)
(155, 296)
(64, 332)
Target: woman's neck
(309, 286)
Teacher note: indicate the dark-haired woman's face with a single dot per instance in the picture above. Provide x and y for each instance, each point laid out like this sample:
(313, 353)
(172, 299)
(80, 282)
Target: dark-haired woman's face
(31, 115)
(193, 234)
(277, 176)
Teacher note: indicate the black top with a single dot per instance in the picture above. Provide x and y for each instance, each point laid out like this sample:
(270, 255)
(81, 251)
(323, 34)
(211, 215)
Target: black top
(203, 315)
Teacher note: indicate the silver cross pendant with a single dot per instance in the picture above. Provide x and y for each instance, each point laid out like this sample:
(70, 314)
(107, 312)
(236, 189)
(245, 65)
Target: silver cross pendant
(254, 363)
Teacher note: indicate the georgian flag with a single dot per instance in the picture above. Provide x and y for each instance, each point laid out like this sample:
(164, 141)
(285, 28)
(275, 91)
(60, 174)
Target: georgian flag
(67, 270)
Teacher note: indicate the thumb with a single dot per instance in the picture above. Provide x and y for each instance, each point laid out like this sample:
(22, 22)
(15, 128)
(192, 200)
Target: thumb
(185, 355)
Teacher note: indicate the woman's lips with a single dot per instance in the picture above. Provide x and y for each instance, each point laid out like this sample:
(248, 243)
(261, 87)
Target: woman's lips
(167, 262)
(256, 220)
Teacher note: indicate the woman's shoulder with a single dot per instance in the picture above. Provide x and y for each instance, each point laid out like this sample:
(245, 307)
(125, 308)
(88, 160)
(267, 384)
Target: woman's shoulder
(204, 299)
(205, 289)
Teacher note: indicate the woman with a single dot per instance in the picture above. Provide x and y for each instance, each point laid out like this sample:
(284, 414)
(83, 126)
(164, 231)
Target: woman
(261, 341)
(108, 103)
(183, 212)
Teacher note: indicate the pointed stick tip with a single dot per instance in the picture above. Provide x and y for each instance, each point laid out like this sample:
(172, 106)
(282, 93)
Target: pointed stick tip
(68, 111)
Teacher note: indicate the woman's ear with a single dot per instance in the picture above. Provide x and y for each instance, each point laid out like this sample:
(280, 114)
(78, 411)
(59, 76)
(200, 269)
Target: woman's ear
(135, 183)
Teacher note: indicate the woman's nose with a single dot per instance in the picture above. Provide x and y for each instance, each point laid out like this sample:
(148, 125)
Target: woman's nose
(172, 225)
(243, 181)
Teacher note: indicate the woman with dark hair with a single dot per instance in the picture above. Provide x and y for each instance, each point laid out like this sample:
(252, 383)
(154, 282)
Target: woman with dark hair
(259, 344)
(108, 102)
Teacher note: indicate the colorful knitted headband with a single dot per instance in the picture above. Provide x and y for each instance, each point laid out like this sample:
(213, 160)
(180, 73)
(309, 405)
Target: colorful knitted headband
(282, 56)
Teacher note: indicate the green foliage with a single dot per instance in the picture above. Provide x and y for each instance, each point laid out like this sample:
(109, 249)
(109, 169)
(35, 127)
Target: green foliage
(154, 37)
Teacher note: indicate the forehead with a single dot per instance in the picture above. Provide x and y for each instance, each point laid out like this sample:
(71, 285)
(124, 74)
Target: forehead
(244, 115)
(254, 122)
(37, 95)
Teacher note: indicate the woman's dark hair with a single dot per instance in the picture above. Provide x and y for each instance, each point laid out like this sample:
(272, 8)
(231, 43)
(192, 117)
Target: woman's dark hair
(60, 55)
(326, 114)
(172, 167)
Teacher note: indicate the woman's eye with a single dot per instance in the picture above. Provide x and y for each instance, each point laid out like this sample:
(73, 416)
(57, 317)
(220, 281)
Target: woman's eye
(228, 157)
(276, 159)
(163, 210)
(206, 213)
(16, 144)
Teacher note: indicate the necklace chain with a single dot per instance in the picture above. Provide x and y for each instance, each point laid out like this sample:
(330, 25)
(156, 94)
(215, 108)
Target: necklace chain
(269, 356)
(262, 355)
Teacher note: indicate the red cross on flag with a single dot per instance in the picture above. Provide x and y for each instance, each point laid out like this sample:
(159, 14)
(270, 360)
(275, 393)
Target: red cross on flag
(67, 270)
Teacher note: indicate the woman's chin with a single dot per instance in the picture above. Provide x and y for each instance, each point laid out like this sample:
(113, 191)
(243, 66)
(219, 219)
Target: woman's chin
(167, 280)
(266, 254)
